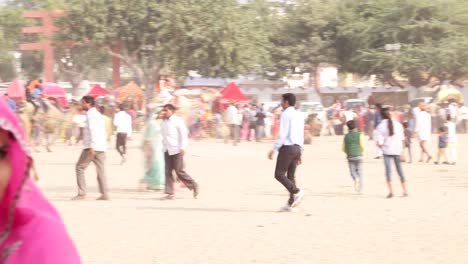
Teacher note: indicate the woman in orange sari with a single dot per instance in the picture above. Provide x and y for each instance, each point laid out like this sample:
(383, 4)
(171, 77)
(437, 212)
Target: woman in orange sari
(276, 118)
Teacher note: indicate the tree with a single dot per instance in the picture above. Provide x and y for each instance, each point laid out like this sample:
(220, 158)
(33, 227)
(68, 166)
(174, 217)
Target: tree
(217, 38)
(36, 4)
(77, 63)
(162, 35)
(10, 32)
(11, 22)
(304, 36)
(432, 34)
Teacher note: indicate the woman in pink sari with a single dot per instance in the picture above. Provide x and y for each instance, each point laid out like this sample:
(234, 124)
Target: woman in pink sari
(245, 122)
(31, 230)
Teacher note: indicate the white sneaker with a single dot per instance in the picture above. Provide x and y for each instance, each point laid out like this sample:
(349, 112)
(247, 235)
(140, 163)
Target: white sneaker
(288, 208)
(357, 186)
(298, 198)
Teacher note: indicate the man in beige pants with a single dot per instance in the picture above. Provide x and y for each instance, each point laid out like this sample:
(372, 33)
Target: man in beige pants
(95, 146)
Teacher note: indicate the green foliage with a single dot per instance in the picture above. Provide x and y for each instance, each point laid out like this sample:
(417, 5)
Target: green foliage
(215, 37)
(432, 34)
(223, 38)
(81, 62)
(36, 4)
(11, 22)
(10, 30)
(305, 35)
(32, 64)
(353, 33)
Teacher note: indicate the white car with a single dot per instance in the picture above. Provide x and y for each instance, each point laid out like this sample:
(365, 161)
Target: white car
(313, 107)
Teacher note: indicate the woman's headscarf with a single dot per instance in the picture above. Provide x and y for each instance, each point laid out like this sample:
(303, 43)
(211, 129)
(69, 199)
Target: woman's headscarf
(31, 230)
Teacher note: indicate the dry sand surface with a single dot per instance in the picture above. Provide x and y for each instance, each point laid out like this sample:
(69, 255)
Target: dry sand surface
(236, 218)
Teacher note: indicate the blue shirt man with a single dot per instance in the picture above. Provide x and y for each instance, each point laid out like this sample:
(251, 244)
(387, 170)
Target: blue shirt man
(289, 145)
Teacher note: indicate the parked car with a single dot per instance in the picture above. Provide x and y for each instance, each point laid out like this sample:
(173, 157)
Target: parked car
(308, 108)
(355, 103)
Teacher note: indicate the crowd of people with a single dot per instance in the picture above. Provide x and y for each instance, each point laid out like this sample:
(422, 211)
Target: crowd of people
(393, 133)
(165, 140)
(164, 146)
(45, 121)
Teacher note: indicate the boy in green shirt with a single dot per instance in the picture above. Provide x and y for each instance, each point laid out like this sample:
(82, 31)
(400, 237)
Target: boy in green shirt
(353, 146)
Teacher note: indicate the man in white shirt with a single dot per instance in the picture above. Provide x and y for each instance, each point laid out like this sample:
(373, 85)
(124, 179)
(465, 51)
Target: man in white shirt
(423, 131)
(453, 110)
(123, 124)
(464, 118)
(95, 146)
(234, 121)
(289, 145)
(175, 142)
(349, 115)
(252, 122)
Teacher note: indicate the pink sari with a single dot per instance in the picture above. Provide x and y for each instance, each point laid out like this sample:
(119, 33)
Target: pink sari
(31, 229)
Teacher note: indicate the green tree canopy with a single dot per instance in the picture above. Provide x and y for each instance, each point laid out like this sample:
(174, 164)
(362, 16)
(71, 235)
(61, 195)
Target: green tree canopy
(432, 34)
(10, 32)
(305, 35)
(214, 37)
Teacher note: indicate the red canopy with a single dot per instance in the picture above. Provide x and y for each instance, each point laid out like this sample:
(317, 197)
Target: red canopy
(54, 90)
(16, 90)
(232, 92)
(97, 91)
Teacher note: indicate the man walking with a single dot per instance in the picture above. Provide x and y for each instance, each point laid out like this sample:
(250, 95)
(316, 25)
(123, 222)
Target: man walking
(377, 120)
(123, 124)
(260, 125)
(175, 142)
(370, 122)
(252, 122)
(95, 146)
(289, 145)
(423, 131)
(232, 119)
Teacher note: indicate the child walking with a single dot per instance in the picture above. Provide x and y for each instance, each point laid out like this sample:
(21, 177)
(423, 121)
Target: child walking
(442, 145)
(408, 135)
(451, 140)
(353, 146)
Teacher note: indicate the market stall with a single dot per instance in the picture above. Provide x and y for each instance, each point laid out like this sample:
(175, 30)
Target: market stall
(53, 90)
(98, 91)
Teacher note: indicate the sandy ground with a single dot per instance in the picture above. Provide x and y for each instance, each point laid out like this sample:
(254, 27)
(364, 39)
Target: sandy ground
(235, 220)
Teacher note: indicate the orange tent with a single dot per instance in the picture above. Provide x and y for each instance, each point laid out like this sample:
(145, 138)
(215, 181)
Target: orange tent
(130, 92)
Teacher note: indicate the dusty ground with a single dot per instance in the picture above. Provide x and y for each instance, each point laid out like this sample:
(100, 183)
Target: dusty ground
(236, 219)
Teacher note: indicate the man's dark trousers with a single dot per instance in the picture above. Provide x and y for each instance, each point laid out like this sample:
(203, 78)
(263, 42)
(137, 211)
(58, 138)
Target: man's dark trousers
(286, 164)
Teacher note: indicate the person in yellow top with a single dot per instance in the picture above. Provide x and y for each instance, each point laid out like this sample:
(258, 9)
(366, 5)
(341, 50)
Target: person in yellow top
(353, 146)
